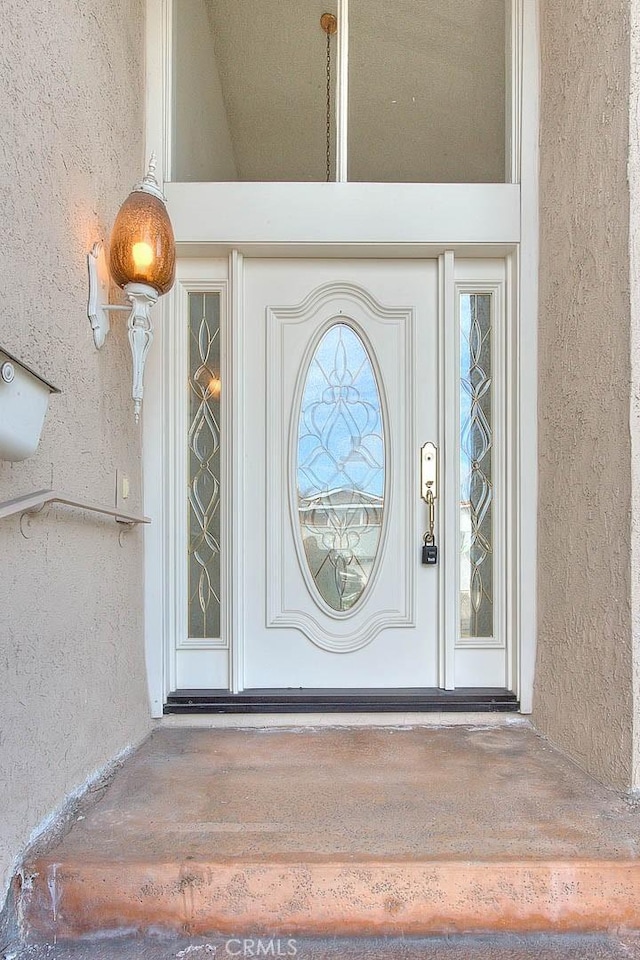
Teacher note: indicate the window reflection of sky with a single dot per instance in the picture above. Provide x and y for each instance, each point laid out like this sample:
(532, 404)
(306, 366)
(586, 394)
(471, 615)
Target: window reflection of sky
(340, 435)
(340, 439)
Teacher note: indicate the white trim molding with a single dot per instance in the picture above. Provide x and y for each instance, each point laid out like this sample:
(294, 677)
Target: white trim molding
(525, 366)
(235, 422)
(245, 215)
(448, 505)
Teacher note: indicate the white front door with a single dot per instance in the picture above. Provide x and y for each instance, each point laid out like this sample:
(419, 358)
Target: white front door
(340, 391)
(295, 522)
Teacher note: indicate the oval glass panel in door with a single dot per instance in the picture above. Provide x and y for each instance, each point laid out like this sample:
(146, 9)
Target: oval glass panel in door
(341, 467)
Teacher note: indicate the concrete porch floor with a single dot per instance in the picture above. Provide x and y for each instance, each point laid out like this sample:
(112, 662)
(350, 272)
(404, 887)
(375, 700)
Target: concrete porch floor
(347, 832)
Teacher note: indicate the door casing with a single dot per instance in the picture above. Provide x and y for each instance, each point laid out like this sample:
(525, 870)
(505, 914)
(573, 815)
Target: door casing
(415, 220)
(221, 663)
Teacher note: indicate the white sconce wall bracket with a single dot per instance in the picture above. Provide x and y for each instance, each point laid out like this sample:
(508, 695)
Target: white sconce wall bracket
(98, 307)
(141, 298)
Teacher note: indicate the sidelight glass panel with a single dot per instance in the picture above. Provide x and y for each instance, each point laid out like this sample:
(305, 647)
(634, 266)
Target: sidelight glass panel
(204, 466)
(340, 467)
(427, 91)
(476, 480)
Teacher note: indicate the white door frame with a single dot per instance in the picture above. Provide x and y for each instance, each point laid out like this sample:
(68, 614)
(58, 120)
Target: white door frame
(392, 220)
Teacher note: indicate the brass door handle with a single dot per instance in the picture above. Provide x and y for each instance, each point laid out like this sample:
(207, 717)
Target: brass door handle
(428, 471)
(429, 492)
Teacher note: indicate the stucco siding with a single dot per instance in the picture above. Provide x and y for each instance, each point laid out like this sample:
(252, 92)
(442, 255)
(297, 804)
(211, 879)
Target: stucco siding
(583, 691)
(72, 676)
(634, 260)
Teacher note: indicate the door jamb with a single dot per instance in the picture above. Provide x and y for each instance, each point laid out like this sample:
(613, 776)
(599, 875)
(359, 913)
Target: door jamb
(526, 388)
(447, 430)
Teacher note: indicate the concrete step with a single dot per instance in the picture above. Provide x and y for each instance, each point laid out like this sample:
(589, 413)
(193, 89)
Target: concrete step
(362, 832)
(497, 947)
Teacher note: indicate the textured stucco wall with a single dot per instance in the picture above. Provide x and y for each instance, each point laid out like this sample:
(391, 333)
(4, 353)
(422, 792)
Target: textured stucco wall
(583, 695)
(72, 678)
(634, 261)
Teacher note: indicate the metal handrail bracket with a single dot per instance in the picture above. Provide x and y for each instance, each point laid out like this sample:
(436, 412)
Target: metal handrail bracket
(32, 502)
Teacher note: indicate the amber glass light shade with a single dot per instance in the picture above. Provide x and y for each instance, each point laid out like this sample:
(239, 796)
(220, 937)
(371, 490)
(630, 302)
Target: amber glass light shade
(142, 248)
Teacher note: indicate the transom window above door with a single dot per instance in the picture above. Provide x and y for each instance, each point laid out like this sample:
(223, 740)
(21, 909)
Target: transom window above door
(395, 91)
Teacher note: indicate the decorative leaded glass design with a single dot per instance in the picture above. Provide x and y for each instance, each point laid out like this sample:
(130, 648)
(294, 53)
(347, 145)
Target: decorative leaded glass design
(341, 467)
(204, 465)
(476, 489)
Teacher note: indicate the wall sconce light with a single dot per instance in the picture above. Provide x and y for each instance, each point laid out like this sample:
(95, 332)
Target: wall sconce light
(142, 261)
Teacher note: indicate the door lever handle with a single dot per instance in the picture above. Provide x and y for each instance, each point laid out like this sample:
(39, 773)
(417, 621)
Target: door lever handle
(429, 492)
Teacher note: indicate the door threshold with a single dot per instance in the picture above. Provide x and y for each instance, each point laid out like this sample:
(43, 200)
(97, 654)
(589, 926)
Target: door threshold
(373, 700)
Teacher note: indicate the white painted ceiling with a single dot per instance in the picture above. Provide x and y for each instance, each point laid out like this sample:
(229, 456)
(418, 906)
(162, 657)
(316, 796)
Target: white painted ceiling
(426, 88)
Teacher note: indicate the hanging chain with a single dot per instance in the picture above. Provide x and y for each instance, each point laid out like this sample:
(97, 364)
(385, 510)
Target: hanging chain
(328, 106)
(429, 536)
(329, 24)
